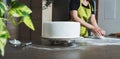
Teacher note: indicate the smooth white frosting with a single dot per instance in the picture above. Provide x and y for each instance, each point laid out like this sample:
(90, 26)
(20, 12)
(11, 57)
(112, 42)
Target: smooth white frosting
(61, 30)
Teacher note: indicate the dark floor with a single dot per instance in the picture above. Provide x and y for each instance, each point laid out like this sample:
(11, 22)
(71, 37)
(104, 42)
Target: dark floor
(50, 52)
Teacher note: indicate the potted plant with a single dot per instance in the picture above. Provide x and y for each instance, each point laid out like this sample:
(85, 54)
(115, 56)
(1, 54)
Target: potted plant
(15, 10)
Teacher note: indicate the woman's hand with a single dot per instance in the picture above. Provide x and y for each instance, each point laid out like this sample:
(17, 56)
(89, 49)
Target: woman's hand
(98, 31)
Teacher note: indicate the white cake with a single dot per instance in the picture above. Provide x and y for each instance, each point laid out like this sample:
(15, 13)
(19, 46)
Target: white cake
(61, 30)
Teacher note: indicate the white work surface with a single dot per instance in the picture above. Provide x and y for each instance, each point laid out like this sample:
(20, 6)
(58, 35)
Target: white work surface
(95, 41)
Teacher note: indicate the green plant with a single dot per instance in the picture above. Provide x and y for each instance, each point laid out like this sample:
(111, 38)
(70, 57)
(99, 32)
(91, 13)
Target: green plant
(15, 10)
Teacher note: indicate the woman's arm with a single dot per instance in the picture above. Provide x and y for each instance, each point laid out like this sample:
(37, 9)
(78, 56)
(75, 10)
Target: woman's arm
(97, 31)
(93, 20)
(74, 17)
(93, 26)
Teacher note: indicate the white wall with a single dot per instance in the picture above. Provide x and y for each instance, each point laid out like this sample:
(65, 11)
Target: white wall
(109, 15)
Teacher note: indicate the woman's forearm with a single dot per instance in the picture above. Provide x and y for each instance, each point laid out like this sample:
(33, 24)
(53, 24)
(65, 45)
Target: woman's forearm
(93, 20)
(75, 17)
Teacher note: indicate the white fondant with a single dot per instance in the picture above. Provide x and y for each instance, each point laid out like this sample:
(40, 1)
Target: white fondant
(61, 30)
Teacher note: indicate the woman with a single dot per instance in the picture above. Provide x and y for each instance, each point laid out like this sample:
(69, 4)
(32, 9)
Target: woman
(82, 11)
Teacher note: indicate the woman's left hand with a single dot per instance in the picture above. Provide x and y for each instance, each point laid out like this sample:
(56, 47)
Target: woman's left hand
(101, 31)
(98, 31)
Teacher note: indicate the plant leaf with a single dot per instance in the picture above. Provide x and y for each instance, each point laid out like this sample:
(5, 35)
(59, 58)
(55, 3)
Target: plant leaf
(18, 9)
(3, 8)
(4, 35)
(2, 45)
(3, 30)
(28, 22)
